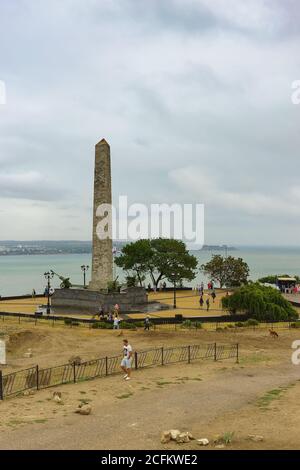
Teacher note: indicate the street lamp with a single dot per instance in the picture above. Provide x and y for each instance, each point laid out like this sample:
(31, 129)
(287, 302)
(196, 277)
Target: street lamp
(174, 283)
(48, 276)
(84, 269)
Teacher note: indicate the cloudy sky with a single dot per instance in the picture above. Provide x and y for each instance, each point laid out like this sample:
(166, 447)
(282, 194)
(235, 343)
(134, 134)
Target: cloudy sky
(194, 97)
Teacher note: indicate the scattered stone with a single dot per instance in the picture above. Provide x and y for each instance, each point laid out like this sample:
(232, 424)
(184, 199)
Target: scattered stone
(220, 446)
(255, 438)
(165, 437)
(203, 442)
(182, 437)
(84, 409)
(56, 397)
(75, 360)
(26, 393)
(174, 433)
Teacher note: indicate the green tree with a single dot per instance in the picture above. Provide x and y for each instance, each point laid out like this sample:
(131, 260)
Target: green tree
(161, 258)
(227, 271)
(261, 303)
(136, 257)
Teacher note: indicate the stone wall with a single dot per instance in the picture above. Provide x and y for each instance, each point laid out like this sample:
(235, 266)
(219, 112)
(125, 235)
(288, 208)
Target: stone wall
(90, 301)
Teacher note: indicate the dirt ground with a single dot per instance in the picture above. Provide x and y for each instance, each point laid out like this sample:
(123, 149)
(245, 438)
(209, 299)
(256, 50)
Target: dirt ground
(258, 396)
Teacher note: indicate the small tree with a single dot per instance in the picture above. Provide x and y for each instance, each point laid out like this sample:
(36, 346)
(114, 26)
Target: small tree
(227, 271)
(261, 303)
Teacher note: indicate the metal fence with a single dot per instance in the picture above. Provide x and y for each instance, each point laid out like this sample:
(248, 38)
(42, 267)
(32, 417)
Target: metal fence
(36, 378)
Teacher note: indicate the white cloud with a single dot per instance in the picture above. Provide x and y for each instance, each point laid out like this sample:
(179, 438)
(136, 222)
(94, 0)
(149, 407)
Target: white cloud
(206, 188)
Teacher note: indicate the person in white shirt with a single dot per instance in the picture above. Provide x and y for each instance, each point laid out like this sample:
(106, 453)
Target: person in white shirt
(127, 359)
(116, 325)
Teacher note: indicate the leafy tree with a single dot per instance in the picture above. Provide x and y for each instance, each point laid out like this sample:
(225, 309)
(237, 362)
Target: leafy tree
(161, 258)
(227, 271)
(261, 303)
(136, 257)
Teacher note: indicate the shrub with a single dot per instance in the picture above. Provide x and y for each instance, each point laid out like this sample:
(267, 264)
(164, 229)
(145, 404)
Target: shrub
(239, 324)
(127, 326)
(295, 324)
(261, 303)
(186, 324)
(68, 321)
(198, 325)
(252, 322)
(102, 325)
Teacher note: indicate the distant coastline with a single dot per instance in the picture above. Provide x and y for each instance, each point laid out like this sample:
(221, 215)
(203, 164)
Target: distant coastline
(35, 247)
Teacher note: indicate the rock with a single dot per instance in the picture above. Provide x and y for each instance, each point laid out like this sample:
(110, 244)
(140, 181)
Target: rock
(255, 438)
(84, 410)
(165, 437)
(56, 397)
(27, 393)
(220, 446)
(174, 433)
(190, 436)
(182, 437)
(203, 442)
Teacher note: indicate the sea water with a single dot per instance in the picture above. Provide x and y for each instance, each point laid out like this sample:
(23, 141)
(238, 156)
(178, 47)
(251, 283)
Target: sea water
(20, 274)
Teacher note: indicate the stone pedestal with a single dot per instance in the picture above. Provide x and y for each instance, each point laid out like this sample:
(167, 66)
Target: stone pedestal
(88, 301)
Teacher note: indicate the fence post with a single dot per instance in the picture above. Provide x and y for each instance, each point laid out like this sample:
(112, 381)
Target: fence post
(162, 356)
(135, 360)
(1, 385)
(74, 372)
(106, 366)
(215, 355)
(237, 353)
(189, 354)
(37, 377)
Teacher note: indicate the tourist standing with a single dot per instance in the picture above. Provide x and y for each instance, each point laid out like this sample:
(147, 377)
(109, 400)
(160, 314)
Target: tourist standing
(201, 301)
(33, 294)
(207, 304)
(213, 295)
(147, 323)
(127, 359)
(116, 324)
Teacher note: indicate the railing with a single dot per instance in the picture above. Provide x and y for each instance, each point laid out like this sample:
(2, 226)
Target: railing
(36, 378)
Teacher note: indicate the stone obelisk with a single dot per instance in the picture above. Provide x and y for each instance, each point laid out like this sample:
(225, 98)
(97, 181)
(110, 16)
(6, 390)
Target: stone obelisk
(102, 262)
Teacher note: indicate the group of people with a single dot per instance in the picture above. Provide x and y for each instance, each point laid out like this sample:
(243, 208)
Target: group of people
(162, 287)
(212, 294)
(113, 315)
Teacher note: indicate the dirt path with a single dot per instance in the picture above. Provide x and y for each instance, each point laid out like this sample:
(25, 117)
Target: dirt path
(132, 415)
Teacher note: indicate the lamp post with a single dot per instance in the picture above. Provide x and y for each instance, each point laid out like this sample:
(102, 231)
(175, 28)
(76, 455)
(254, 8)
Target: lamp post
(174, 303)
(84, 269)
(48, 276)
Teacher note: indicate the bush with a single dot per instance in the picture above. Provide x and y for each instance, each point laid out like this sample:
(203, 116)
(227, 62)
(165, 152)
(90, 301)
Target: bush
(186, 324)
(127, 326)
(261, 303)
(239, 324)
(252, 322)
(68, 321)
(198, 325)
(295, 324)
(102, 326)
